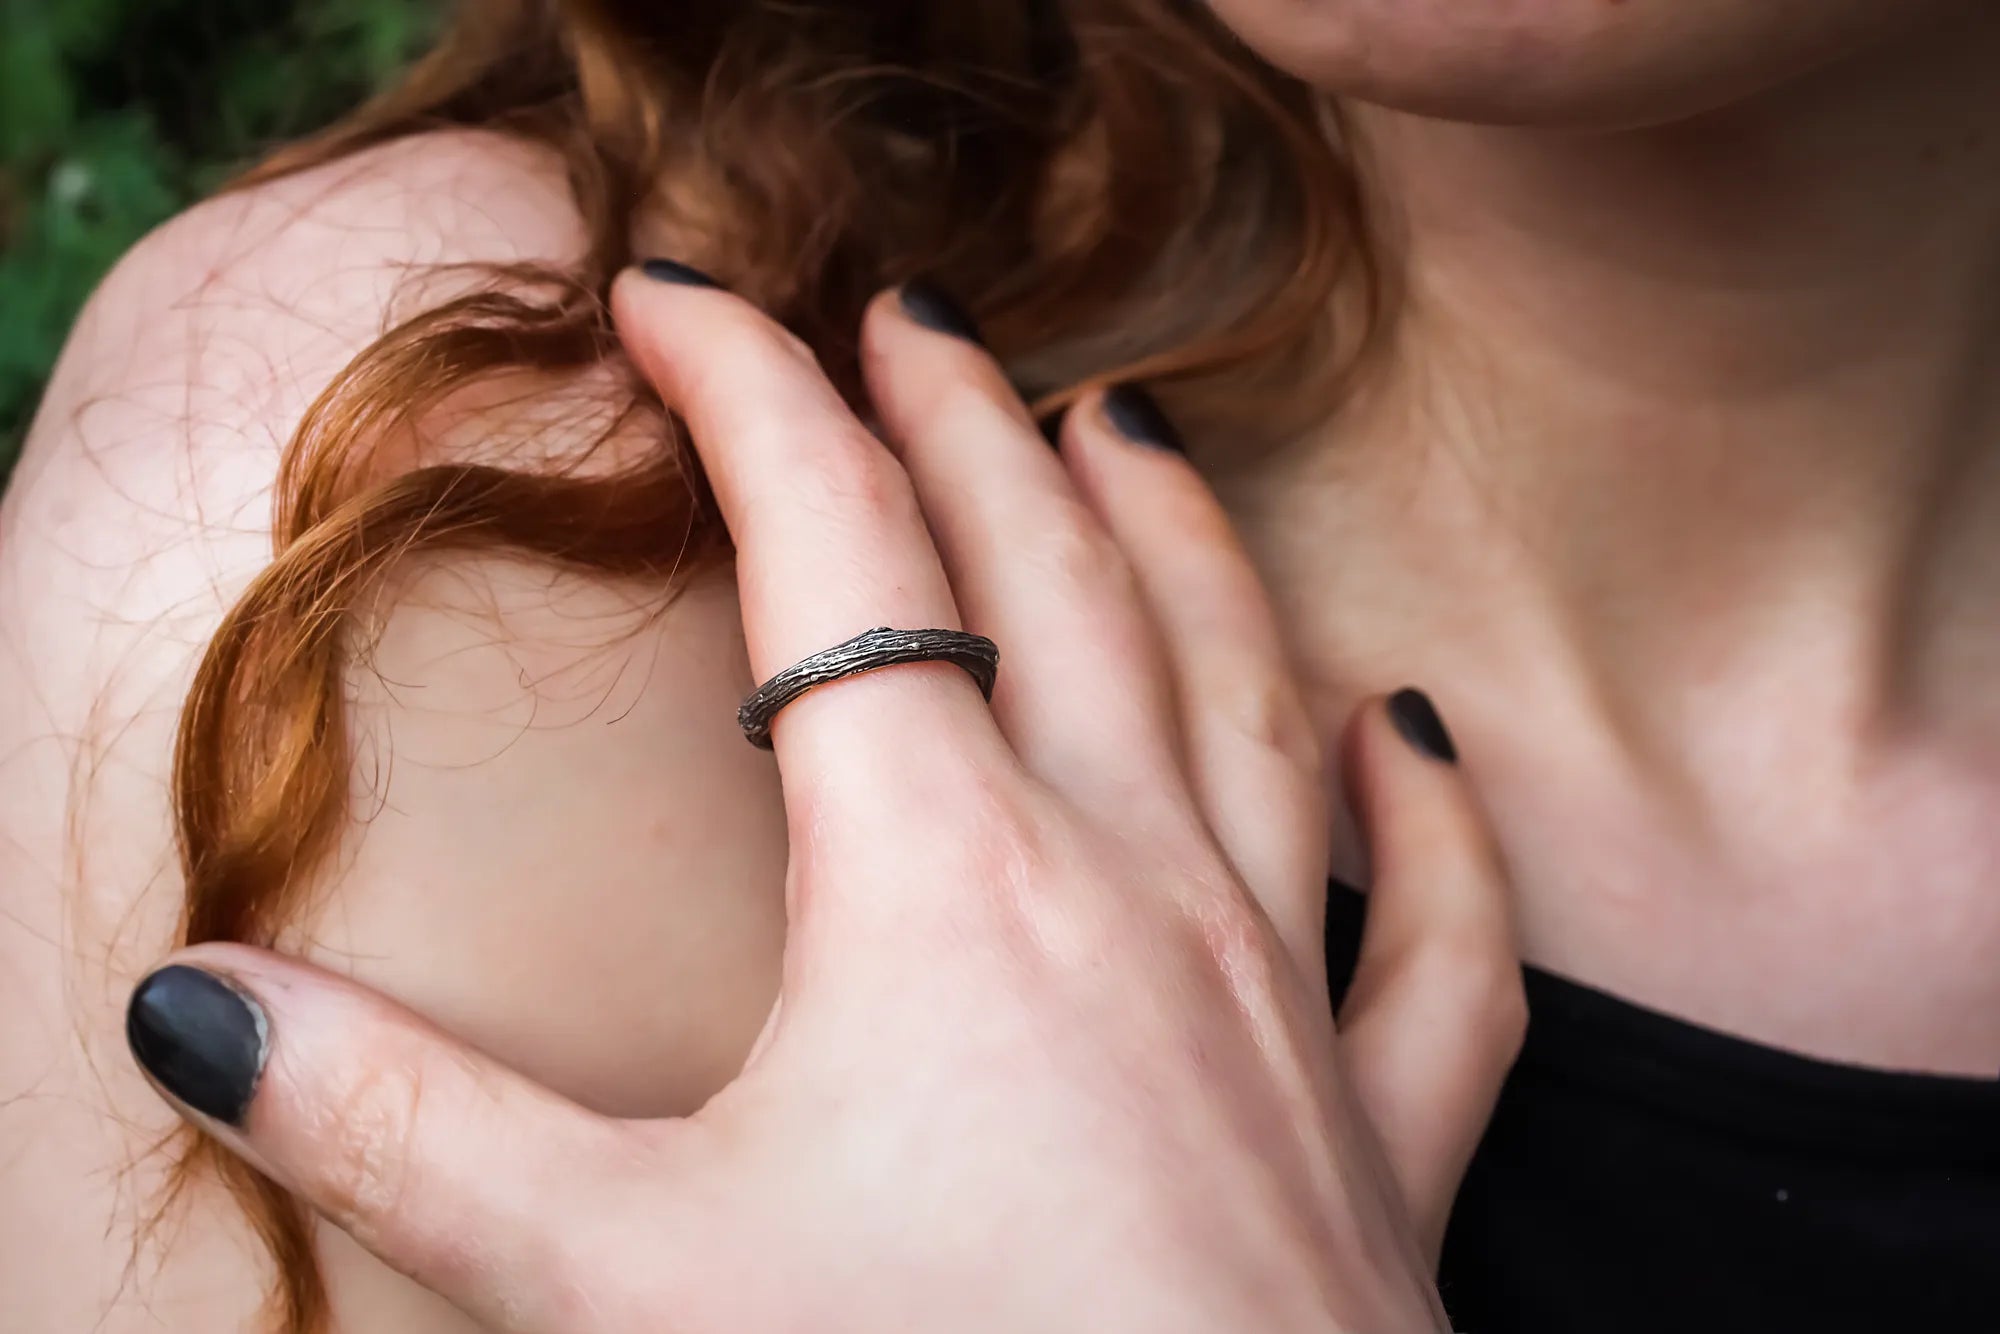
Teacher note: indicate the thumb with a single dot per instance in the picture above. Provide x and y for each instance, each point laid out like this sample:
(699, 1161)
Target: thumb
(1435, 1015)
(444, 1163)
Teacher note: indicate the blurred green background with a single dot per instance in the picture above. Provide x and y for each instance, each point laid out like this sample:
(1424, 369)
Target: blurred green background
(116, 114)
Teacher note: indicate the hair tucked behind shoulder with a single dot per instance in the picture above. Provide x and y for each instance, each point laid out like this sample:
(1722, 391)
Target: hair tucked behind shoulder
(1113, 186)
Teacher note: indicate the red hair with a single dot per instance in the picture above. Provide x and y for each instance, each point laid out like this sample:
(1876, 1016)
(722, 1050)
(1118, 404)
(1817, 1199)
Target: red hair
(1087, 175)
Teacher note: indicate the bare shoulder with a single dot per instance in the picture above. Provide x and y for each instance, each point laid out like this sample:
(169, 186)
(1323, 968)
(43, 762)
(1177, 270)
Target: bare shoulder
(255, 298)
(146, 480)
(561, 848)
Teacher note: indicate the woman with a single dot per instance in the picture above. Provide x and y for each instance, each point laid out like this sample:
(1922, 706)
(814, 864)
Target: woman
(1665, 465)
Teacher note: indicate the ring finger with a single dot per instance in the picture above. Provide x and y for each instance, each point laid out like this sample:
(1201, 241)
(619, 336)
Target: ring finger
(829, 542)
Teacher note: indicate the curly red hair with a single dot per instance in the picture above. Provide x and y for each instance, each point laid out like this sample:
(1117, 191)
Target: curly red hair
(1087, 175)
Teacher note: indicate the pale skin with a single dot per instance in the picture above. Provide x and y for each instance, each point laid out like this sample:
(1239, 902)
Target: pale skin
(1075, 903)
(1697, 557)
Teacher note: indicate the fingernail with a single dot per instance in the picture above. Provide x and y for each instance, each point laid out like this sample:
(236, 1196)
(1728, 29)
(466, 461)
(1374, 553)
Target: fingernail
(1132, 411)
(935, 309)
(673, 271)
(1417, 719)
(202, 1039)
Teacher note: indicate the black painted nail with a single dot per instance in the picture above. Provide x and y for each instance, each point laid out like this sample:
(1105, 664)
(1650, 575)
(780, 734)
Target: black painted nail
(201, 1038)
(1138, 418)
(1417, 719)
(673, 271)
(936, 309)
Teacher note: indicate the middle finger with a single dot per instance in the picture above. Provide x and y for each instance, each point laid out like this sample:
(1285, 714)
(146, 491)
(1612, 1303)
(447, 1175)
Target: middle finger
(1089, 706)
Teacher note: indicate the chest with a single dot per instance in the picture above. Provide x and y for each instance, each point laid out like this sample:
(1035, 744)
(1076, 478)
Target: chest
(1863, 932)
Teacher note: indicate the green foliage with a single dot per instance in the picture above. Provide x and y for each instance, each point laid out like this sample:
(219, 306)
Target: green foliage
(116, 114)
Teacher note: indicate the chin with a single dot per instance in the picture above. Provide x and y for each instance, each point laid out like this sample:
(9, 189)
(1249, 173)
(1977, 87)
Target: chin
(1573, 63)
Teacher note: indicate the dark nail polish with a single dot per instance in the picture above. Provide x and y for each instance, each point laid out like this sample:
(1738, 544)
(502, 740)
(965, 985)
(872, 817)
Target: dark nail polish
(1138, 418)
(673, 271)
(935, 309)
(1052, 427)
(201, 1038)
(1417, 719)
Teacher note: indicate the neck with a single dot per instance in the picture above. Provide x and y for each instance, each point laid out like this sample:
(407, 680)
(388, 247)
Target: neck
(1710, 402)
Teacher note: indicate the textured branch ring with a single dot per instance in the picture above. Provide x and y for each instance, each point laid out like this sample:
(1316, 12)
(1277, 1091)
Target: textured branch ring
(880, 647)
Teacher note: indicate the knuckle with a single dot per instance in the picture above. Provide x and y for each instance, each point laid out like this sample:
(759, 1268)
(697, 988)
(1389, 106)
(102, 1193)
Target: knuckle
(994, 842)
(1075, 552)
(1020, 873)
(968, 394)
(1475, 980)
(1199, 523)
(977, 833)
(746, 334)
(370, 1136)
(1267, 713)
(851, 474)
(738, 347)
(1239, 939)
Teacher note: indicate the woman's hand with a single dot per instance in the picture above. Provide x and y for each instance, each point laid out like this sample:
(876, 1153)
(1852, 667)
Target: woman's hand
(1053, 1049)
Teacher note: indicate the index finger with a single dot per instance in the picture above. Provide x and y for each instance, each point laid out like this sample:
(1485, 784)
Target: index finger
(830, 539)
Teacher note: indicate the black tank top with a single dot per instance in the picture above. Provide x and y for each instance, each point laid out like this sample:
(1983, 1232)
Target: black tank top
(1643, 1173)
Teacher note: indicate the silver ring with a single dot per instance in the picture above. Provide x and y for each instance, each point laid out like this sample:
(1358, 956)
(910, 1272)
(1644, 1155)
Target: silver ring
(879, 647)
